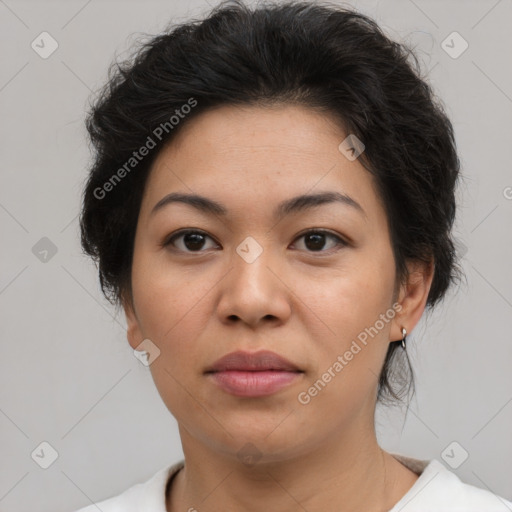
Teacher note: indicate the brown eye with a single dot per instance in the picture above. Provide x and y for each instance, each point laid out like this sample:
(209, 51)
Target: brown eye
(320, 241)
(188, 241)
(316, 240)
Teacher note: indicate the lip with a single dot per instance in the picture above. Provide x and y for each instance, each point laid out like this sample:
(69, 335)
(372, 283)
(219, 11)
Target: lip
(252, 361)
(253, 384)
(256, 374)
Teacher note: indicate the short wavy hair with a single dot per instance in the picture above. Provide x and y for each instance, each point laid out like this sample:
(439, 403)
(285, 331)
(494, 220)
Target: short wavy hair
(332, 59)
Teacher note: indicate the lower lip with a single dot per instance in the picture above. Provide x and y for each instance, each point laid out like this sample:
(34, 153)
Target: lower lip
(253, 384)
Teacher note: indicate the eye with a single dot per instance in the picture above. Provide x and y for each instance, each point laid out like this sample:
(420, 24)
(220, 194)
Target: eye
(315, 240)
(193, 240)
(190, 240)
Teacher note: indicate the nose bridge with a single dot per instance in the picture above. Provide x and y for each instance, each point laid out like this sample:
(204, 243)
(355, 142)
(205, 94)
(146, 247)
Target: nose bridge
(250, 263)
(251, 290)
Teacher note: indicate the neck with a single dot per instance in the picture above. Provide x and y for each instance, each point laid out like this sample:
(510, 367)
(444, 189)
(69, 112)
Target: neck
(343, 476)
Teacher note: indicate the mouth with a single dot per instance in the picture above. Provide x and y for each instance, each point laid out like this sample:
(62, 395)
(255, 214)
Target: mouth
(263, 360)
(253, 383)
(253, 375)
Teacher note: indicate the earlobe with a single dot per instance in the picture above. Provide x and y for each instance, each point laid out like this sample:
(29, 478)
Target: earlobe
(412, 298)
(133, 331)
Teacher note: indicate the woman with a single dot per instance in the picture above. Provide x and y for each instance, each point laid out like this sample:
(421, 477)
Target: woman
(271, 204)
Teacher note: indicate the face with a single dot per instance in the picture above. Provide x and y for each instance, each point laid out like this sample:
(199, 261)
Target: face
(305, 282)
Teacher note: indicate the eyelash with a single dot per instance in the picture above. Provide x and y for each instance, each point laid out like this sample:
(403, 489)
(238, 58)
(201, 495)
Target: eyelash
(340, 243)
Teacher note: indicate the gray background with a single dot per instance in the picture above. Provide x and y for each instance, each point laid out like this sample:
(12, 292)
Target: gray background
(68, 375)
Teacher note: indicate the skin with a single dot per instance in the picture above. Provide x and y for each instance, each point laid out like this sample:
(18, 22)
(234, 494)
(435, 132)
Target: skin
(306, 302)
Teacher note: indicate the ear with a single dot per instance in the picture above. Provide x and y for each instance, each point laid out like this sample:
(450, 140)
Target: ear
(133, 330)
(412, 298)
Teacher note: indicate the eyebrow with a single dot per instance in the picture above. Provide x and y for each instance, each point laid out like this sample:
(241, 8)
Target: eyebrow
(289, 206)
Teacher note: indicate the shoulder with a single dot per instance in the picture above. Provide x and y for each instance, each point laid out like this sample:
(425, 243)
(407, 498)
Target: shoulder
(438, 488)
(148, 496)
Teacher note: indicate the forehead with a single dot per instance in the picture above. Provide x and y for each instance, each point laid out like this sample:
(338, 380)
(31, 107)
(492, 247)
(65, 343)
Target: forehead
(284, 129)
(262, 155)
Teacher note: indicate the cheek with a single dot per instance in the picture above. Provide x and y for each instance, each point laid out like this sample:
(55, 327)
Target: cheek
(349, 299)
(171, 312)
(349, 304)
(350, 350)
(167, 300)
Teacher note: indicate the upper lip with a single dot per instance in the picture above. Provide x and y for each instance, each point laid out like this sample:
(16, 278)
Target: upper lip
(256, 361)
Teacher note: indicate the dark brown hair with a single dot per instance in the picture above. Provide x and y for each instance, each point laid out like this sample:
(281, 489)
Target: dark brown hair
(326, 57)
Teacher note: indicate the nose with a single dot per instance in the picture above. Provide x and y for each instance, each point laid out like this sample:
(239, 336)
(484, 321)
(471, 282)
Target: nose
(254, 292)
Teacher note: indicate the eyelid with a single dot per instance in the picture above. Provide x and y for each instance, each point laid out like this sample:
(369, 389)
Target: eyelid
(340, 241)
(168, 240)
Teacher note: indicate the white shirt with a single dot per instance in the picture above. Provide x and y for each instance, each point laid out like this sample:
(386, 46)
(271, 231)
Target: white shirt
(436, 490)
